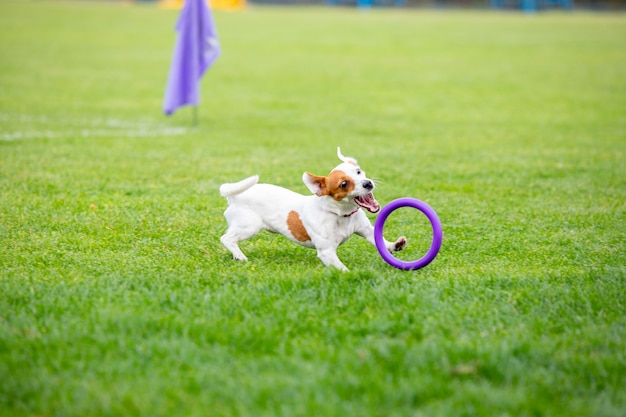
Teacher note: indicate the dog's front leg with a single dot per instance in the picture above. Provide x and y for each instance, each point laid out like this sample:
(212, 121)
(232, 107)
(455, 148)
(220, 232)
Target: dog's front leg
(366, 230)
(329, 257)
(396, 246)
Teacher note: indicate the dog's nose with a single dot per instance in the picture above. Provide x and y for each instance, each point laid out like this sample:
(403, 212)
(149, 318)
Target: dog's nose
(368, 185)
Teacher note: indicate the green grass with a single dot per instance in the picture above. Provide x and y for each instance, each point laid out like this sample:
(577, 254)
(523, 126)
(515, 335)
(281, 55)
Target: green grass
(116, 297)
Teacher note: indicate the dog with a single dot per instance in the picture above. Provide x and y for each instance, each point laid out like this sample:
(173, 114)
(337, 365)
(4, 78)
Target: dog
(321, 221)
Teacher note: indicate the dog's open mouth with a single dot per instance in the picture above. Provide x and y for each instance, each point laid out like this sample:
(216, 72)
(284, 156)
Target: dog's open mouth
(368, 202)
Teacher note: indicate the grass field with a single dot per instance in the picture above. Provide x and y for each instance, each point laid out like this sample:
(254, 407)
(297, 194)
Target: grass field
(117, 298)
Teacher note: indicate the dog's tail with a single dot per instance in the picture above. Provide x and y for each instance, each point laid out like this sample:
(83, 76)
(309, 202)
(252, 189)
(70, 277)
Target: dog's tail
(232, 189)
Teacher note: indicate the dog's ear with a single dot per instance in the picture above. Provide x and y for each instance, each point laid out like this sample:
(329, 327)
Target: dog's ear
(346, 159)
(315, 183)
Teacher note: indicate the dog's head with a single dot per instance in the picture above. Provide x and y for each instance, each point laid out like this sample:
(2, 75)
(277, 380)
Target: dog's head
(346, 184)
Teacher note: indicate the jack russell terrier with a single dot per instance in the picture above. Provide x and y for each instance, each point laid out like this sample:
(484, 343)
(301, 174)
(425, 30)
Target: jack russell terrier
(322, 221)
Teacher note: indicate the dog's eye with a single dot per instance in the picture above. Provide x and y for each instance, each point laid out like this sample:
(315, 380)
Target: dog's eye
(358, 172)
(343, 184)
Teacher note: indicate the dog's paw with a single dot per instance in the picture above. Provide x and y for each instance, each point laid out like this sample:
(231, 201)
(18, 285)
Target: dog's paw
(398, 245)
(241, 258)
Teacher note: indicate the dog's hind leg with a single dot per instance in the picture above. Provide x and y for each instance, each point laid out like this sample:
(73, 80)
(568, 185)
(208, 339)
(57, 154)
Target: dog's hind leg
(231, 239)
(244, 227)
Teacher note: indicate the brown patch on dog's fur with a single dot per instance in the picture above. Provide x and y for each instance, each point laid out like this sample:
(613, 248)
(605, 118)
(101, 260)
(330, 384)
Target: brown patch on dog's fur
(333, 185)
(296, 227)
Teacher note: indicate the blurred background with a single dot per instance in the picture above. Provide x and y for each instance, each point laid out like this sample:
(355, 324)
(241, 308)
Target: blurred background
(524, 5)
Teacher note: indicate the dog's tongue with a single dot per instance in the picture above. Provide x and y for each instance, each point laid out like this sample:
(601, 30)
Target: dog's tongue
(368, 202)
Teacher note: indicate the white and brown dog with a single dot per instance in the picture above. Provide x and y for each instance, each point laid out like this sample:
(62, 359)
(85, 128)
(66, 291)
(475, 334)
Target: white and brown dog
(322, 221)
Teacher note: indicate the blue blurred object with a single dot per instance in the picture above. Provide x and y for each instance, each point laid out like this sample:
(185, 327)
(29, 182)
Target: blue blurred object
(531, 6)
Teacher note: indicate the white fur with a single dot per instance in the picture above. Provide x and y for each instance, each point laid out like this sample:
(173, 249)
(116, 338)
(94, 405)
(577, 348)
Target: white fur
(328, 221)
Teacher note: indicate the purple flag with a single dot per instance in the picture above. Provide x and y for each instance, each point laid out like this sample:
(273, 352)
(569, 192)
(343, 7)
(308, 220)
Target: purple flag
(196, 49)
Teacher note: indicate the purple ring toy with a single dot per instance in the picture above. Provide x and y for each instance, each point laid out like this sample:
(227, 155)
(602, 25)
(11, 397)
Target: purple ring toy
(380, 241)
